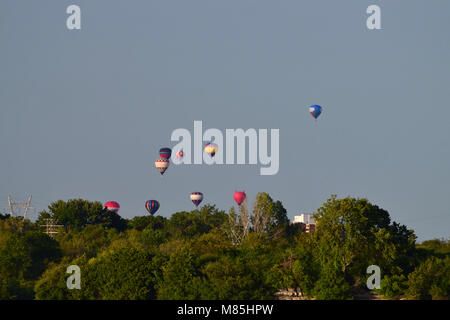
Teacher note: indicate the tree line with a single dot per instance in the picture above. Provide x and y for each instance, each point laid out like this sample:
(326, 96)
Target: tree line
(249, 253)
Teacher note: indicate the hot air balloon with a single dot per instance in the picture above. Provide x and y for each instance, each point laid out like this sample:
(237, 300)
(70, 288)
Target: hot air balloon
(180, 154)
(315, 111)
(239, 196)
(211, 149)
(165, 153)
(152, 206)
(162, 165)
(112, 206)
(196, 198)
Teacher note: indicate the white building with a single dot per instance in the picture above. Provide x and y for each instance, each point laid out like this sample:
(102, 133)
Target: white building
(306, 218)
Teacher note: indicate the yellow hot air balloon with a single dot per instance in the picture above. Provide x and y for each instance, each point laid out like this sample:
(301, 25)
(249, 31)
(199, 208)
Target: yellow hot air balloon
(211, 149)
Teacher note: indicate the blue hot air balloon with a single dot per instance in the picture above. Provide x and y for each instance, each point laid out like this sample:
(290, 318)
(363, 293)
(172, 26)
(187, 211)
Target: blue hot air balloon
(152, 206)
(315, 111)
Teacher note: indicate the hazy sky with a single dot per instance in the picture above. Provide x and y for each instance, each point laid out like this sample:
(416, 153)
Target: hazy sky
(83, 113)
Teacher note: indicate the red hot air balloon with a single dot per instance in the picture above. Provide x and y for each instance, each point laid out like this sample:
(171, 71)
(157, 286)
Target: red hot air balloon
(239, 196)
(112, 206)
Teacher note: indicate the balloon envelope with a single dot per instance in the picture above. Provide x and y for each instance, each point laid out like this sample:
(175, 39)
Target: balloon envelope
(239, 196)
(196, 198)
(112, 206)
(152, 206)
(162, 165)
(180, 154)
(211, 149)
(315, 111)
(165, 153)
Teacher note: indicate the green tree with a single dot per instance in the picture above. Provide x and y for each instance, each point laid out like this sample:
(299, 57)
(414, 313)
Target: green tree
(430, 280)
(52, 285)
(12, 289)
(180, 277)
(393, 285)
(89, 241)
(75, 214)
(126, 274)
(298, 268)
(144, 222)
(107, 219)
(268, 217)
(231, 278)
(280, 215)
(16, 225)
(195, 223)
(4, 216)
(305, 268)
(42, 250)
(14, 256)
(436, 247)
(332, 285)
(15, 262)
(353, 234)
(263, 214)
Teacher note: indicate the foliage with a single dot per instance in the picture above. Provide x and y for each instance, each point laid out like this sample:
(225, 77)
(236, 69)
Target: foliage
(430, 280)
(211, 254)
(393, 286)
(75, 214)
(88, 241)
(126, 274)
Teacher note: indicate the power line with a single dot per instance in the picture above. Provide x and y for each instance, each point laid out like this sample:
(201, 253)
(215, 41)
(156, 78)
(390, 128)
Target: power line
(15, 207)
(51, 228)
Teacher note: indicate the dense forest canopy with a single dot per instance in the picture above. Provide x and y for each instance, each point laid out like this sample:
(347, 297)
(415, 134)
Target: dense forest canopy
(248, 253)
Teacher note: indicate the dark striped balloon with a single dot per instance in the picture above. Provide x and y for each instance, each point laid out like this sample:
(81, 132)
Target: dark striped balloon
(152, 206)
(196, 198)
(165, 153)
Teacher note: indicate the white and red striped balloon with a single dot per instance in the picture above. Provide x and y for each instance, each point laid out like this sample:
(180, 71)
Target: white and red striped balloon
(196, 198)
(162, 165)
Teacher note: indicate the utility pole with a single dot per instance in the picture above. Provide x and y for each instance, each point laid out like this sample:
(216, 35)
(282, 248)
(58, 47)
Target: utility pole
(14, 207)
(51, 228)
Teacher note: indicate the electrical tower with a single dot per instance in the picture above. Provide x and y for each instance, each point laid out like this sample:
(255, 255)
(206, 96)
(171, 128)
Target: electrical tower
(14, 207)
(51, 228)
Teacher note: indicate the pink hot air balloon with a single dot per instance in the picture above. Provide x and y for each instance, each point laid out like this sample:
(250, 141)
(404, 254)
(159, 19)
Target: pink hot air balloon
(112, 206)
(239, 196)
(180, 154)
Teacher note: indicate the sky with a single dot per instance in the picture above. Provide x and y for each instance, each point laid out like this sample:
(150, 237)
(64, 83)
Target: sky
(83, 113)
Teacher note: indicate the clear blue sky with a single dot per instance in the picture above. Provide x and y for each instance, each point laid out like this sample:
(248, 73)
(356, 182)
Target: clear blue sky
(84, 113)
